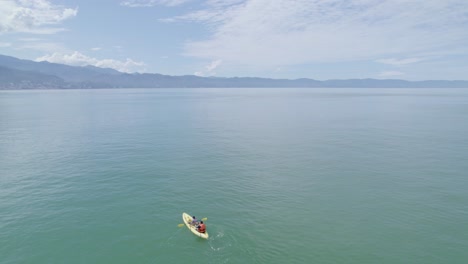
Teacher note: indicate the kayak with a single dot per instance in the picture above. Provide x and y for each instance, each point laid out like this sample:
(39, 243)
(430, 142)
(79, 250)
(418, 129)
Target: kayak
(187, 220)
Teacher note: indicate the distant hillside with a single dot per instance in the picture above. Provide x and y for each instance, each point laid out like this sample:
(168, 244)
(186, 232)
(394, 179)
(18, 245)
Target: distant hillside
(66, 72)
(26, 74)
(14, 79)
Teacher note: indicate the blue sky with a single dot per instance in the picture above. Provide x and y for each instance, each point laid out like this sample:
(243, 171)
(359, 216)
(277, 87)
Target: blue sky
(319, 39)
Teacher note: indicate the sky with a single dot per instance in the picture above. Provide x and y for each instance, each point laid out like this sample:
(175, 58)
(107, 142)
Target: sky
(317, 39)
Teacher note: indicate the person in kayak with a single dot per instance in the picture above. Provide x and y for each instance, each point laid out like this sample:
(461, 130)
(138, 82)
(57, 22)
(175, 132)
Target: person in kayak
(194, 221)
(201, 227)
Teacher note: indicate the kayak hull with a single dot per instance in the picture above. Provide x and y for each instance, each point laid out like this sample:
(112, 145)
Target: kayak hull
(187, 220)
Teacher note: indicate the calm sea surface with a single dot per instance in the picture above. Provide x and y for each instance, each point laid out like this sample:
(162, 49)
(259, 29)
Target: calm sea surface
(283, 175)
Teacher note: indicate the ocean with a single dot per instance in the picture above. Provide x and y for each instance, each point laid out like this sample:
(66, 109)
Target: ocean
(283, 175)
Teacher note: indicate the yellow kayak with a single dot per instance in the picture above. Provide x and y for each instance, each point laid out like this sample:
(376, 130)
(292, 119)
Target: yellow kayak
(187, 220)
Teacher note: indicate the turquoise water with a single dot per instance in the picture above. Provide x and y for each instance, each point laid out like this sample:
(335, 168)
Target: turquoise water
(283, 175)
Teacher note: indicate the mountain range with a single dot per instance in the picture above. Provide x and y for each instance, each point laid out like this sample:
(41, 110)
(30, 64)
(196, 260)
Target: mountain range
(18, 74)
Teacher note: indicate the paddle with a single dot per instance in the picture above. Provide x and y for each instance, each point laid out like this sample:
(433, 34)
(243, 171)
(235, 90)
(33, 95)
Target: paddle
(203, 219)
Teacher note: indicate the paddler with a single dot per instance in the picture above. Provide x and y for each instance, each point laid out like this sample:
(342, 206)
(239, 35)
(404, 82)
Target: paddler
(194, 221)
(201, 227)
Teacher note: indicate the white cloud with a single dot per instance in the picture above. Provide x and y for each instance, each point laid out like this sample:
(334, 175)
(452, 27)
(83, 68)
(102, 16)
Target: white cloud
(218, 12)
(209, 69)
(33, 16)
(399, 62)
(96, 48)
(264, 33)
(390, 74)
(42, 46)
(4, 44)
(78, 59)
(148, 3)
(29, 39)
(213, 65)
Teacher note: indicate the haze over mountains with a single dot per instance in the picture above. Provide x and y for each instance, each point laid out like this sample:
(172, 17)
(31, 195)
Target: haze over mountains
(18, 74)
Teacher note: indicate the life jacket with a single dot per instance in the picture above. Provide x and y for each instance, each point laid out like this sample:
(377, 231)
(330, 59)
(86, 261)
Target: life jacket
(202, 228)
